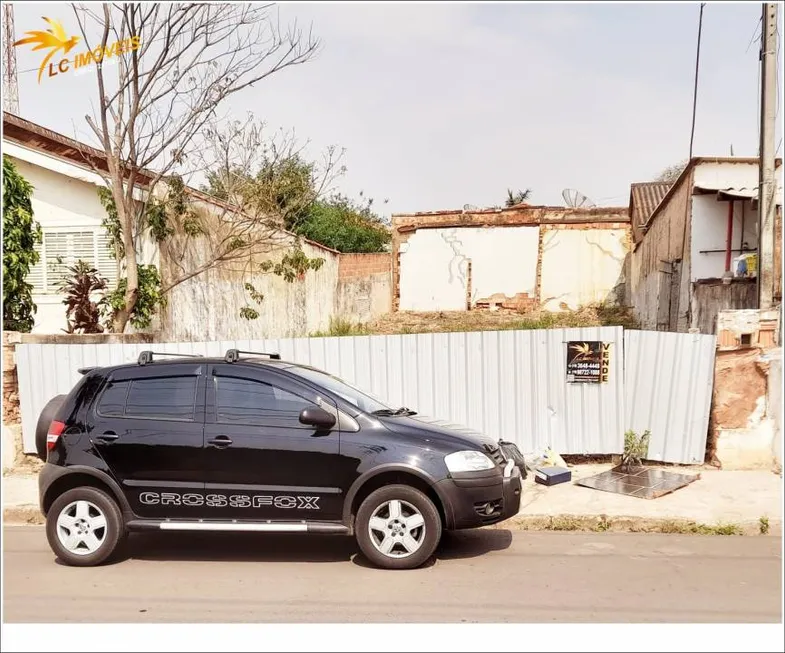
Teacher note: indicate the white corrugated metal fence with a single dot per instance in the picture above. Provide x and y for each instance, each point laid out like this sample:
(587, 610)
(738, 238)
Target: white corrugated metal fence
(509, 384)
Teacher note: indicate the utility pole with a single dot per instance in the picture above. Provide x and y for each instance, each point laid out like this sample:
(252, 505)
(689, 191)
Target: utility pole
(10, 88)
(767, 186)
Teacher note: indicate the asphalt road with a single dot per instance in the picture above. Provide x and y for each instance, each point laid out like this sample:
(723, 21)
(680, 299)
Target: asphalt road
(477, 576)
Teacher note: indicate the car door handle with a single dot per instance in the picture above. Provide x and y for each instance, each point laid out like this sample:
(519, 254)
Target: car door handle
(109, 436)
(220, 441)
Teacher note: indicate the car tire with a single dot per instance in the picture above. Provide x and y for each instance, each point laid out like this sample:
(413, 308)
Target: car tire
(84, 527)
(43, 424)
(398, 527)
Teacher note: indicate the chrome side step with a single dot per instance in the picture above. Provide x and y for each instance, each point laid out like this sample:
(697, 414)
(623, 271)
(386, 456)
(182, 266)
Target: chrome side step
(207, 526)
(334, 528)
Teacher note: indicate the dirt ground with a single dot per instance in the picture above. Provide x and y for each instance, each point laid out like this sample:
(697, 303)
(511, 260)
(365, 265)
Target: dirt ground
(484, 320)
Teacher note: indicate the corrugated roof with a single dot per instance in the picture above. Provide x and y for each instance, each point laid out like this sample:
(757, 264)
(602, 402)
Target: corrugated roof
(741, 192)
(645, 197)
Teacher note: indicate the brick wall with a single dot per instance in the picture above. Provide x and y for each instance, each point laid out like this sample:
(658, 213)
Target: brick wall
(363, 265)
(10, 381)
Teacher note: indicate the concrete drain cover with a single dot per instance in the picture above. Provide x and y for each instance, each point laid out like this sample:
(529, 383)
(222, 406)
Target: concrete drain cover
(643, 482)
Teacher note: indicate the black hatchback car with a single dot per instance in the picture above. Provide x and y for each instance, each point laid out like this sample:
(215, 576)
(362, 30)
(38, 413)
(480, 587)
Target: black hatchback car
(252, 443)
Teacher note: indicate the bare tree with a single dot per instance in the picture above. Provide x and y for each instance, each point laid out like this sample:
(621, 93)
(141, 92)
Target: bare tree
(189, 58)
(257, 186)
(670, 174)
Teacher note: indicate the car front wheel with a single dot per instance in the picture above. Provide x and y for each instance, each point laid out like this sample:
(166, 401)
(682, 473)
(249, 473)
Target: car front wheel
(84, 527)
(398, 527)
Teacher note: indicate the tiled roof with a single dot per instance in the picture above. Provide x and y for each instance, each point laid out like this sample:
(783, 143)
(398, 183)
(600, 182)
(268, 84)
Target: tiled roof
(644, 198)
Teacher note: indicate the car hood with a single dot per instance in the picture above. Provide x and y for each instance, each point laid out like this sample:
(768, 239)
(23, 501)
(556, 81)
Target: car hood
(443, 431)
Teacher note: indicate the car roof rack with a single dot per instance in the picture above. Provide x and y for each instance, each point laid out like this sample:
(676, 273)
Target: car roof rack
(233, 355)
(146, 356)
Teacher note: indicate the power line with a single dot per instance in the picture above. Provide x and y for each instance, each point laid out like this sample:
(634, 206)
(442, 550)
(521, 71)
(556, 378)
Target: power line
(695, 88)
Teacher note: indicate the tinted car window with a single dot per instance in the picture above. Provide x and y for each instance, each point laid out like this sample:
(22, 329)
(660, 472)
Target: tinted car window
(363, 400)
(243, 400)
(112, 401)
(167, 398)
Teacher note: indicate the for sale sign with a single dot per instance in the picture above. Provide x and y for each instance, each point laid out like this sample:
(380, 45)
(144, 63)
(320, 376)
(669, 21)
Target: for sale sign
(588, 362)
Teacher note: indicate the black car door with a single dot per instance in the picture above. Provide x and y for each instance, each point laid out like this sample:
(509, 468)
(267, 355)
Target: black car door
(148, 425)
(261, 462)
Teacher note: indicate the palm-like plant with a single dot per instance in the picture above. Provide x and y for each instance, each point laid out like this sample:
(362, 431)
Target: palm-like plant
(82, 313)
(518, 197)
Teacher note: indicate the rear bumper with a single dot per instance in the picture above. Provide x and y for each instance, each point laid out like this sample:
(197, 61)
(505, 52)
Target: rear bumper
(482, 501)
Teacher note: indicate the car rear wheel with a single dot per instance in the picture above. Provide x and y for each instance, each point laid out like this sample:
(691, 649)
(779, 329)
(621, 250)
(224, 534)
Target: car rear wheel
(398, 527)
(84, 527)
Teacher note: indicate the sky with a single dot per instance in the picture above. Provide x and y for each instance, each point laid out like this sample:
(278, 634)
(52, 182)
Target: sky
(443, 105)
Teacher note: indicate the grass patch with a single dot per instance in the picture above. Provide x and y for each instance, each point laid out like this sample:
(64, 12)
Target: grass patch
(341, 327)
(564, 524)
(763, 525)
(605, 524)
(694, 528)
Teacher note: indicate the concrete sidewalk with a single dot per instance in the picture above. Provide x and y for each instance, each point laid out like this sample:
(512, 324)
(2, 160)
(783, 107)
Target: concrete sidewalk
(718, 497)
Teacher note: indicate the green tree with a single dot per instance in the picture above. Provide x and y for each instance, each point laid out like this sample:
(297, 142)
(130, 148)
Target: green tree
(21, 233)
(345, 225)
(271, 181)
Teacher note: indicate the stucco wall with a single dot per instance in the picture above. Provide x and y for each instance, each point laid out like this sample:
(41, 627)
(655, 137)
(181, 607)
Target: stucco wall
(207, 307)
(709, 232)
(434, 265)
(596, 265)
(746, 409)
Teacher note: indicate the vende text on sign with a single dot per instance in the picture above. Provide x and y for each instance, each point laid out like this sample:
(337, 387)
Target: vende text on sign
(588, 361)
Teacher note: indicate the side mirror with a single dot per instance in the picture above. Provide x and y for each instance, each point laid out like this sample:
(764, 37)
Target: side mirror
(317, 417)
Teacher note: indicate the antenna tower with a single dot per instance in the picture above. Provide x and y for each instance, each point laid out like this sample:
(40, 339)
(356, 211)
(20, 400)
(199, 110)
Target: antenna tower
(10, 86)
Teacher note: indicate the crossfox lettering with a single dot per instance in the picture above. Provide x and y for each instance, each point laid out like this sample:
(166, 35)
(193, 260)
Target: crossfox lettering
(194, 499)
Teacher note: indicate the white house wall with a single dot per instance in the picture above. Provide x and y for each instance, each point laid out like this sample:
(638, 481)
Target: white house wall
(433, 265)
(709, 232)
(580, 266)
(726, 175)
(65, 198)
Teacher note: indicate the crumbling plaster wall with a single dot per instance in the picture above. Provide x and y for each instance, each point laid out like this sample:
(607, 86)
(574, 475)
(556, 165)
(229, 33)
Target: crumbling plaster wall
(452, 260)
(434, 266)
(746, 408)
(596, 264)
(207, 307)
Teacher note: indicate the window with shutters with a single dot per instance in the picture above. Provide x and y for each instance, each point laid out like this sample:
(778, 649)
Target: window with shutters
(61, 249)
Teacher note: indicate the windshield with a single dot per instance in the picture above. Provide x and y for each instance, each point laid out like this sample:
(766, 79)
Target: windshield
(363, 400)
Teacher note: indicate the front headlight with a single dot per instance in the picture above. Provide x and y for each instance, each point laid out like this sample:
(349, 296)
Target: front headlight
(468, 461)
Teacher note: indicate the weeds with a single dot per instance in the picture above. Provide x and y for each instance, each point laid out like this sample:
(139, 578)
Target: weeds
(605, 524)
(763, 525)
(593, 315)
(341, 327)
(636, 448)
(564, 524)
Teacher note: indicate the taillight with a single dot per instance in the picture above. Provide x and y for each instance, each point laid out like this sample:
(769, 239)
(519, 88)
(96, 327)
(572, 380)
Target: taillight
(55, 431)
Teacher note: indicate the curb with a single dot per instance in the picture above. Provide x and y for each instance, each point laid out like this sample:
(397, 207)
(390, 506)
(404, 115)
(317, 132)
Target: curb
(31, 515)
(662, 525)
(22, 514)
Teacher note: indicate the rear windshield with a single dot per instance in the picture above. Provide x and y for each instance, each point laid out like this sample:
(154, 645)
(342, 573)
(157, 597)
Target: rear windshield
(363, 400)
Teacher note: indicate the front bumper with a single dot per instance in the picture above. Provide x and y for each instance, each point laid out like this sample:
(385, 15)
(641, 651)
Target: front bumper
(482, 499)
